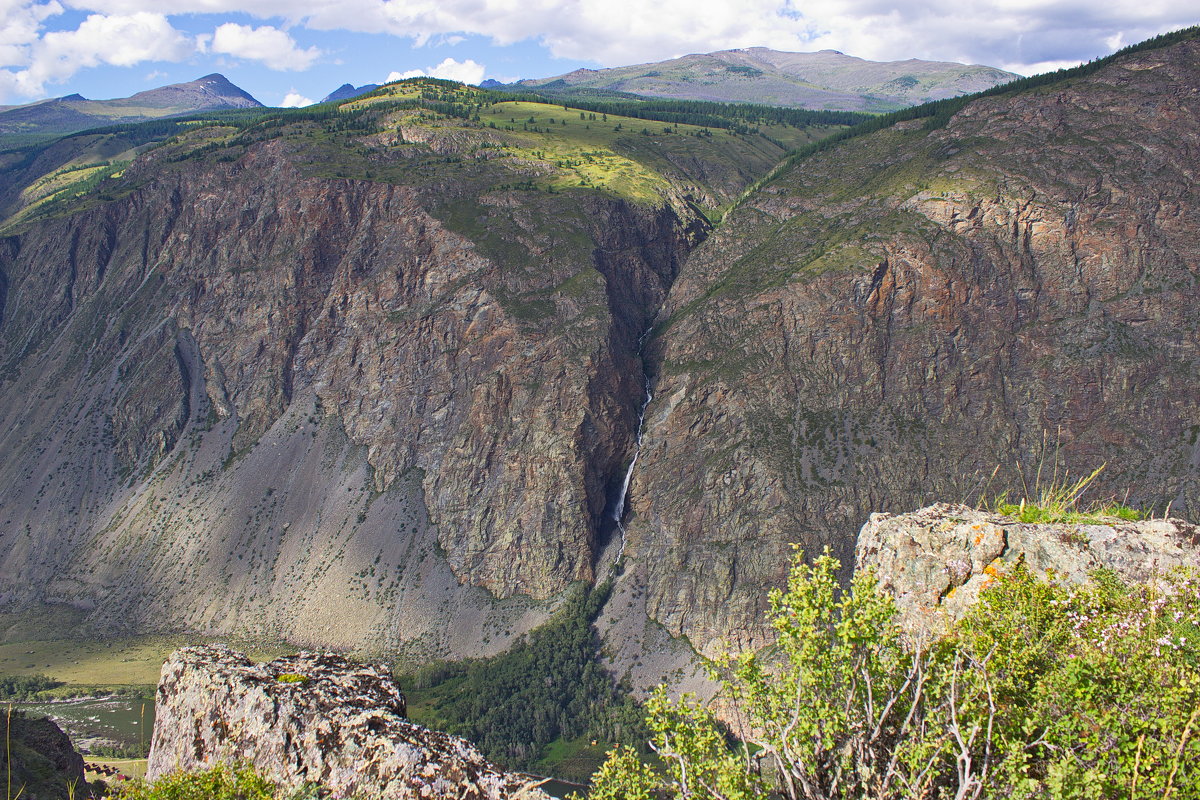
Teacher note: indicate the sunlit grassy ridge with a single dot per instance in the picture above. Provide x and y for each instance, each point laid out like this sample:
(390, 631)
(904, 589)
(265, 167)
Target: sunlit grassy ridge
(58, 188)
(494, 140)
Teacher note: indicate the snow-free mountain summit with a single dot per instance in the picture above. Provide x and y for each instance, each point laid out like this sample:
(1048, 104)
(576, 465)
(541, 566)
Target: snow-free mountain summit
(825, 80)
(72, 113)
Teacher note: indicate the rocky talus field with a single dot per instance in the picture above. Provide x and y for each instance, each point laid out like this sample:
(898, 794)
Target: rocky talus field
(370, 377)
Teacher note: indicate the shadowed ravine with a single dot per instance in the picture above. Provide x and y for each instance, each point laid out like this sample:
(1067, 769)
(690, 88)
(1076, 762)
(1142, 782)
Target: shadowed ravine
(382, 382)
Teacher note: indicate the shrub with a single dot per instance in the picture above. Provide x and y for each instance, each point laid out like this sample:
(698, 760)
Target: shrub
(1109, 704)
(1041, 691)
(218, 783)
(25, 687)
(291, 677)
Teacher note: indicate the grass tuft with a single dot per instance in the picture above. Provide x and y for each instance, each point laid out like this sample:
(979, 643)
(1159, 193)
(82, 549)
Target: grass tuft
(1059, 500)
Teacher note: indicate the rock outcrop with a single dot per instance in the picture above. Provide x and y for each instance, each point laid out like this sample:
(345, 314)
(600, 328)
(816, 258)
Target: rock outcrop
(44, 765)
(313, 719)
(936, 560)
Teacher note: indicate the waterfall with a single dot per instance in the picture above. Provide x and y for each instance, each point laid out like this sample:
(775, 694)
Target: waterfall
(618, 509)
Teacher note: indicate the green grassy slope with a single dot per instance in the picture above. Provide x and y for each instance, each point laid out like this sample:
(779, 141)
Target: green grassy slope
(426, 132)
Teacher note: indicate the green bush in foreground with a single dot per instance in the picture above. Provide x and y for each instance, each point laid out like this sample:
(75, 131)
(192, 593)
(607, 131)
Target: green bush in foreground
(219, 783)
(1042, 691)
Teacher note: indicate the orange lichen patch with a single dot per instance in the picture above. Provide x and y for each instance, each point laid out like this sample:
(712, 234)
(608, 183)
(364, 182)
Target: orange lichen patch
(984, 530)
(991, 570)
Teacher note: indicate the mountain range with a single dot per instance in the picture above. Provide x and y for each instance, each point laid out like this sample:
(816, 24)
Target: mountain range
(72, 113)
(824, 80)
(394, 375)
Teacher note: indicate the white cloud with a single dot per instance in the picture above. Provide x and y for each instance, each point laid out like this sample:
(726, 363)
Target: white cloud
(463, 71)
(613, 32)
(1024, 35)
(271, 46)
(20, 24)
(294, 99)
(119, 40)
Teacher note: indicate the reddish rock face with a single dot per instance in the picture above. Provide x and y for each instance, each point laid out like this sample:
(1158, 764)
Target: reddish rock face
(889, 321)
(245, 398)
(243, 394)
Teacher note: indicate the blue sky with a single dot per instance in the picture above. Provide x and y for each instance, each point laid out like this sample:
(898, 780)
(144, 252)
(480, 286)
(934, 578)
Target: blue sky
(299, 50)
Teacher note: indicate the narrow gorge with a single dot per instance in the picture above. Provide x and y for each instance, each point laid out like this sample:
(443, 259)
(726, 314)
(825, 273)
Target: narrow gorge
(393, 375)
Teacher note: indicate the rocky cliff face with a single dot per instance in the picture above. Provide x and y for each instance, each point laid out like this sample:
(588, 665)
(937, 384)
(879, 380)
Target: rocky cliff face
(936, 560)
(888, 321)
(243, 394)
(313, 719)
(376, 385)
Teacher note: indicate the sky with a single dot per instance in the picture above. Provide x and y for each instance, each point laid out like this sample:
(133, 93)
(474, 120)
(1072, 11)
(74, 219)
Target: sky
(292, 52)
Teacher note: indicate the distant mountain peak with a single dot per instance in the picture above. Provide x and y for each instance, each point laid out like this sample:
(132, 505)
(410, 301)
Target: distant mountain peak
(208, 92)
(349, 90)
(828, 79)
(75, 112)
(218, 83)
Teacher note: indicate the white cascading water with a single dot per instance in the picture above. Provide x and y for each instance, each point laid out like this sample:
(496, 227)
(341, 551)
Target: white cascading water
(619, 507)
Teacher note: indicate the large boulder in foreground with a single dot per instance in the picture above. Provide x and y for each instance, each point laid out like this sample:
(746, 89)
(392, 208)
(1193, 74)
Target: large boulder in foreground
(936, 560)
(313, 718)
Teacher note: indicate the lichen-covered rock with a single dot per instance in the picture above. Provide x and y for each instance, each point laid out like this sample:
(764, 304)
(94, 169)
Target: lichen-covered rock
(936, 560)
(313, 719)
